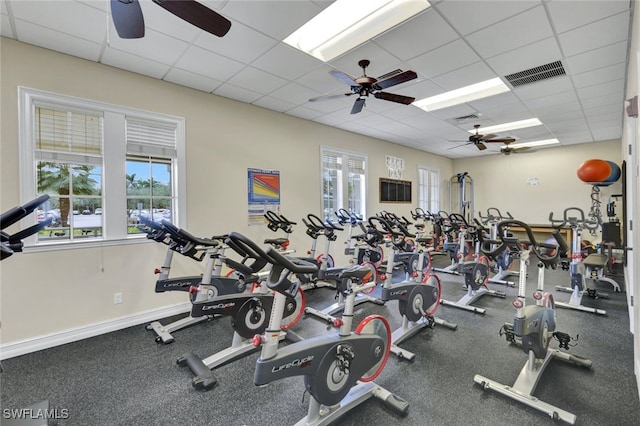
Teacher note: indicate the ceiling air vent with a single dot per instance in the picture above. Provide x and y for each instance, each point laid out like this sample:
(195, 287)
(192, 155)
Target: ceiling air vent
(542, 72)
(464, 119)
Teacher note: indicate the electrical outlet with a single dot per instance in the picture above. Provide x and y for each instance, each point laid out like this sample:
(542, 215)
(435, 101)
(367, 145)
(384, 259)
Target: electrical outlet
(117, 298)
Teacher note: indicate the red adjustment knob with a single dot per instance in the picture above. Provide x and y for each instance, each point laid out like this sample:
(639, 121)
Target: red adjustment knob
(458, 255)
(156, 271)
(537, 295)
(193, 289)
(308, 251)
(257, 340)
(414, 274)
(383, 277)
(285, 244)
(337, 322)
(351, 261)
(517, 303)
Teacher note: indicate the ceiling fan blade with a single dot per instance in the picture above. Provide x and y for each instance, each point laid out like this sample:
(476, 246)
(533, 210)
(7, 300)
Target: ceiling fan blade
(344, 77)
(502, 140)
(357, 106)
(523, 150)
(395, 79)
(127, 18)
(329, 97)
(489, 136)
(464, 144)
(481, 146)
(394, 98)
(197, 14)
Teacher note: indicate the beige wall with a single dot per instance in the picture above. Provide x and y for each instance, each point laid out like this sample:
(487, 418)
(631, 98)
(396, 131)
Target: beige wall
(501, 181)
(49, 292)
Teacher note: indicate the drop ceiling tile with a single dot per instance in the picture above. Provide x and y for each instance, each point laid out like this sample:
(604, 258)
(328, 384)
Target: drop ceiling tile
(601, 75)
(453, 111)
(304, 113)
(330, 119)
(72, 18)
(276, 19)
(597, 58)
(294, 93)
(274, 104)
(562, 116)
(5, 27)
(465, 76)
(502, 100)
(320, 80)
(50, 39)
(607, 133)
(542, 88)
(257, 81)
(133, 63)
(526, 57)
(567, 15)
(401, 112)
(208, 64)
(146, 47)
(545, 102)
(598, 34)
(469, 16)
(447, 58)
(286, 62)
(328, 107)
(599, 89)
(381, 61)
(420, 34)
(238, 93)
(194, 81)
(506, 113)
(523, 29)
(241, 43)
(616, 98)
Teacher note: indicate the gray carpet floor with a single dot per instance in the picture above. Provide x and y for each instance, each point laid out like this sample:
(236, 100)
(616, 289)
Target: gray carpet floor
(125, 378)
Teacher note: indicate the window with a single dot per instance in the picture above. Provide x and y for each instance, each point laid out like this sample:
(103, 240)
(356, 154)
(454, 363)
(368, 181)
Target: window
(429, 189)
(344, 182)
(102, 165)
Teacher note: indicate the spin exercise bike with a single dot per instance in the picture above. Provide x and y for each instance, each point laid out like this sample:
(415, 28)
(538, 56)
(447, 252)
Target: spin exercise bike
(180, 241)
(249, 312)
(338, 369)
(575, 219)
(476, 278)
(315, 228)
(504, 260)
(533, 327)
(417, 301)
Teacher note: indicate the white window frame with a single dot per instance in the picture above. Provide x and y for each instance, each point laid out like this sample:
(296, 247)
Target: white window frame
(114, 165)
(429, 188)
(343, 187)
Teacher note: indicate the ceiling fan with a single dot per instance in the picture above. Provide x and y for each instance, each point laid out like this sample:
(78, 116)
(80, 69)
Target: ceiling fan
(508, 150)
(365, 86)
(479, 140)
(129, 22)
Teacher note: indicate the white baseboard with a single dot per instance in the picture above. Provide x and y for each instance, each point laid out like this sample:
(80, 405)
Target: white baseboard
(13, 349)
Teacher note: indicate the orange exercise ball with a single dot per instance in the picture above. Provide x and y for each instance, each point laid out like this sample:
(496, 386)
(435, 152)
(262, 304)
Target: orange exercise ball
(594, 171)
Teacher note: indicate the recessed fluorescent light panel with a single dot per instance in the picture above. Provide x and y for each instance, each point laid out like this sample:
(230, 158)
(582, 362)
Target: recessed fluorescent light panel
(522, 124)
(348, 23)
(534, 143)
(462, 95)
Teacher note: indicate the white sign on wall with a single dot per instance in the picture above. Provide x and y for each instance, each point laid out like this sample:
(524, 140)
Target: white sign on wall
(395, 166)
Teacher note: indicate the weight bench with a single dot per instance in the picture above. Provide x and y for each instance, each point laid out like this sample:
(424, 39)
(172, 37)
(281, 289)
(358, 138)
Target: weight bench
(595, 265)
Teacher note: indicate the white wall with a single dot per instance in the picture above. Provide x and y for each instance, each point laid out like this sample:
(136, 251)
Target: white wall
(54, 291)
(501, 181)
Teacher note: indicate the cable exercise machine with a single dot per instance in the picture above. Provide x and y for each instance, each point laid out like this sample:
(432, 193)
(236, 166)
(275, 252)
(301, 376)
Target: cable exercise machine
(534, 326)
(461, 193)
(249, 312)
(417, 301)
(338, 369)
(574, 218)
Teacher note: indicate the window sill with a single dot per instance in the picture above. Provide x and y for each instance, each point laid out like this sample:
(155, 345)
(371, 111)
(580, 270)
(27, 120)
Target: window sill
(75, 245)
